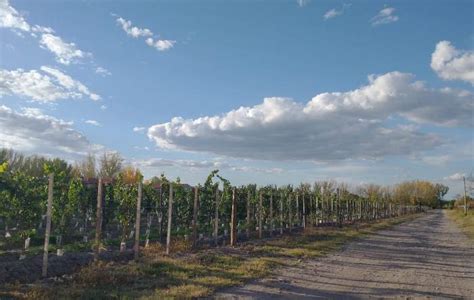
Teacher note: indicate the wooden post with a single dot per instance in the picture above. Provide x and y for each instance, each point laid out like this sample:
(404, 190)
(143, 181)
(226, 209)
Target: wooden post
(465, 198)
(170, 215)
(297, 214)
(290, 219)
(233, 217)
(260, 215)
(98, 220)
(136, 248)
(195, 215)
(338, 208)
(315, 209)
(247, 230)
(323, 206)
(216, 218)
(271, 213)
(48, 224)
(331, 198)
(281, 214)
(304, 212)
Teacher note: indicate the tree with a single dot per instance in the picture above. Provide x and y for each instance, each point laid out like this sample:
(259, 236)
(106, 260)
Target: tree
(87, 168)
(110, 165)
(441, 191)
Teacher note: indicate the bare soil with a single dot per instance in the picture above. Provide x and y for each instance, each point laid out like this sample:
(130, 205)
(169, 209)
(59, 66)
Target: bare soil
(30, 269)
(427, 258)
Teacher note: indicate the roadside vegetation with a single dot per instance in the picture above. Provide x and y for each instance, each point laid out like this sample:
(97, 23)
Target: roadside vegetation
(189, 274)
(465, 222)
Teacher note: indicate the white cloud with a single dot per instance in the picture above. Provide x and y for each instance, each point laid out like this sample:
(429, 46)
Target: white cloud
(70, 84)
(453, 64)
(331, 126)
(42, 29)
(103, 107)
(10, 18)
(302, 3)
(44, 85)
(332, 13)
(132, 30)
(93, 123)
(455, 177)
(31, 131)
(194, 164)
(102, 71)
(385, 16)
(160, 45)
(65, 53)
(139, 129)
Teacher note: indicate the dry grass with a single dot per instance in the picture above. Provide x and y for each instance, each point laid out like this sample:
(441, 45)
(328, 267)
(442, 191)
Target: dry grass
(191, 275)
(466, 223)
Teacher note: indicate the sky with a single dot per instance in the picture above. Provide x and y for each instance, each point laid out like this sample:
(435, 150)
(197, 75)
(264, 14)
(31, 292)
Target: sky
(266, 91)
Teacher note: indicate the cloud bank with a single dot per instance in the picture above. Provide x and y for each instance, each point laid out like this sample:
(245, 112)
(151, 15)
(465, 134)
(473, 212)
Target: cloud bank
(33, 132)
(331, 126)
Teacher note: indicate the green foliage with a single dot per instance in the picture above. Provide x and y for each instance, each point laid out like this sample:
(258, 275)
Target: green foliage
(126, 194)
(62, 206)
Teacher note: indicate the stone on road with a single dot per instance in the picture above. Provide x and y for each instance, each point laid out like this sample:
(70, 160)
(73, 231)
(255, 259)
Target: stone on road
(427, 258)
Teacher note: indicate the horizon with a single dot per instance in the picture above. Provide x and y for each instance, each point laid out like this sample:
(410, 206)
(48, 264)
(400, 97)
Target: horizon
(278, 92)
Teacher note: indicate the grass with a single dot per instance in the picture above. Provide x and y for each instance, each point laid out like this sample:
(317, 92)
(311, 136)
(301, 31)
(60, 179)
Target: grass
(195, 274)
(466, 223)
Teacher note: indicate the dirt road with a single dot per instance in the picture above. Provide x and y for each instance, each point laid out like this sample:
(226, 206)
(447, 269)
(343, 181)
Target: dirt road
(425, 258)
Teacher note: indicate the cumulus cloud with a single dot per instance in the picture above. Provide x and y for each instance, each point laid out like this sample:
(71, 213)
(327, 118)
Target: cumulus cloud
(44, 85)
(331, 126)
(385, 16)
(195, 164)
(136, 32)
(453, 64)
(10, 18)
(32, 131)
(160, 45)
(66, 53)
(93, 123)
(455, 177)
(132, 30)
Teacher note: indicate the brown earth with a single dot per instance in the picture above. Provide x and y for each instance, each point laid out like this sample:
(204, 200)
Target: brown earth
(425, 258)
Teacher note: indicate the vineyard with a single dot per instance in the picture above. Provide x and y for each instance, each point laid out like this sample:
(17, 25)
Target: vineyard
(50, 209)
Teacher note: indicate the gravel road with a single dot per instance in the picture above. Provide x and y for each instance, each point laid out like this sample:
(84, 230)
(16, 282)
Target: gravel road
(427, 258)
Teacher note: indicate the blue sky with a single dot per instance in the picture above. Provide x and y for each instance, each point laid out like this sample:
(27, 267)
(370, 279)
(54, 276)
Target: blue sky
(208, 58)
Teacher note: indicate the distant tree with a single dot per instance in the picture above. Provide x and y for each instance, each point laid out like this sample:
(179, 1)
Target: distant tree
(441, 191)
(110, 165)
(87, 168)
